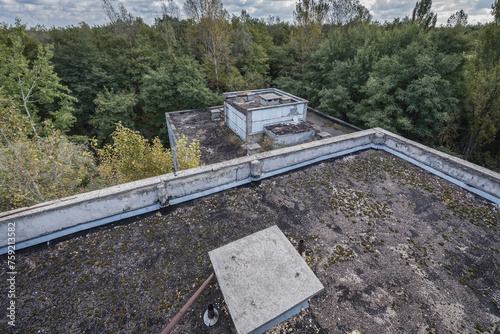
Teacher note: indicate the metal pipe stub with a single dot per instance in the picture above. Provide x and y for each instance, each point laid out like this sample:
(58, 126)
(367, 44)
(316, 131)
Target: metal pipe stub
(211, 315)
(300, 247)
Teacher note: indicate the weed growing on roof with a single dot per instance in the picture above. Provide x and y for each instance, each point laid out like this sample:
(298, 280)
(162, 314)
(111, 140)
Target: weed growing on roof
(340, 254)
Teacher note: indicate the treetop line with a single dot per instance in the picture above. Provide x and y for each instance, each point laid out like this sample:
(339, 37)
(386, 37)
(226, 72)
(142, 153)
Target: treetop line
(63, 87)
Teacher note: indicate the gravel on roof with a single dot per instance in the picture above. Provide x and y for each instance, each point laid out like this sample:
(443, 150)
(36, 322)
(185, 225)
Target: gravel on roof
(286, 128)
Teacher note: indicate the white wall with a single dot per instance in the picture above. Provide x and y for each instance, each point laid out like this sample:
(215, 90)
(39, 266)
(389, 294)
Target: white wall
(277, 114)
(236, 121)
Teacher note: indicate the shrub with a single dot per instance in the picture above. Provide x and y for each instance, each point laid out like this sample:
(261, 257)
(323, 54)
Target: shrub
(37, 169)
(131, 157)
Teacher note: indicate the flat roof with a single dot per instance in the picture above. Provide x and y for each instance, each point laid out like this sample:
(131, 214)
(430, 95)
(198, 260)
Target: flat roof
(267, 94)
(394, 246)
(219, 143)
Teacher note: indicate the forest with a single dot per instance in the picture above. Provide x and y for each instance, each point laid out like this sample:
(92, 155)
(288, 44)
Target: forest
(83, 107)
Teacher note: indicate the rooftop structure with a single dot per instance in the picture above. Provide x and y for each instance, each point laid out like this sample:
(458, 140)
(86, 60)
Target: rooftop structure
(247, 113)
(219, 143)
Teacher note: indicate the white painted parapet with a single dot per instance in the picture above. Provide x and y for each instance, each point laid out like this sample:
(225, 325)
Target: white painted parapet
(51, 220)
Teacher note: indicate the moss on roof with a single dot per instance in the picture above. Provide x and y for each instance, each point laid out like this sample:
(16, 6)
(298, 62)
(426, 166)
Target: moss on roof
(397, 249)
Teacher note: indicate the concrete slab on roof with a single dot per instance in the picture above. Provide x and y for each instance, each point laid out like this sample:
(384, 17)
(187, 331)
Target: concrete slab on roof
(262, 278)
(269, 96)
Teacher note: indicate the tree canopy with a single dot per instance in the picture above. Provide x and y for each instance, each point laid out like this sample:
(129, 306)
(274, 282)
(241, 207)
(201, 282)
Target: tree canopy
(61, 87)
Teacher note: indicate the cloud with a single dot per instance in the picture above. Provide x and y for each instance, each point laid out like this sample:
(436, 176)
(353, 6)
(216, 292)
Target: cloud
(262, 8)
(388, 10)
(72, 12)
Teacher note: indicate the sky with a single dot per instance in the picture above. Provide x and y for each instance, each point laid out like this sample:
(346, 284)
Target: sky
(62, 13)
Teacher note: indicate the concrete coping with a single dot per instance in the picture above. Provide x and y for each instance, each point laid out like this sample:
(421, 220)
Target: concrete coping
(114, 203)
(415, 150)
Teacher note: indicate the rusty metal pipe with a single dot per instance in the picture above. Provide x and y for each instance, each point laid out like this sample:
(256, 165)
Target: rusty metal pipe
(186, 307)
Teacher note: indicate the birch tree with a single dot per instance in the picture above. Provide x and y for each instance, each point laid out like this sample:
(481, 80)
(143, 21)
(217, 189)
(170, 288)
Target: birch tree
(308, 16)
(211, 20)
(35, 84)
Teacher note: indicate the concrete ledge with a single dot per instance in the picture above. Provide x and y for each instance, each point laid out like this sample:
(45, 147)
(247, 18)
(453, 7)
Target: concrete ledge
(112, 203)
(462, 170)
(292, 138)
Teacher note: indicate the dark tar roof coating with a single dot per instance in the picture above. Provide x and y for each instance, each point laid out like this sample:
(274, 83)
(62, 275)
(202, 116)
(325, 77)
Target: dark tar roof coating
(396, 248)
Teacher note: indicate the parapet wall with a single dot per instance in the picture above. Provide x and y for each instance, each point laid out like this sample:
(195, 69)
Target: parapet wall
(55, 219)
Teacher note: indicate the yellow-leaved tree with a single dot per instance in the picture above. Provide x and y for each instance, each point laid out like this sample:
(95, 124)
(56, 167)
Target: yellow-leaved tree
(36, 169)
(131, 157)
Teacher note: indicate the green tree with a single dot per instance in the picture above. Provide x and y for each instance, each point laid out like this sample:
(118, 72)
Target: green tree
(112, 107)
(458, 19)
(308, 16)
(122, 21)
(84, 69)
(495, 11)
(478, 124)
(241, 41)
(278, 30)
(344, 12)
(176, 85)
(256, 60)
(34, 85)
(395, 79)
(212, 31)
(131, 157)
(423, 16)
(483, 109)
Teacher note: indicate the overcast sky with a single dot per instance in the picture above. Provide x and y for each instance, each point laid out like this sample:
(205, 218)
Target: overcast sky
(72, 12)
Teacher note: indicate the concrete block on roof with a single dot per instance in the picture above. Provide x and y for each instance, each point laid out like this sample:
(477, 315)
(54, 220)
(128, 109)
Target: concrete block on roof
(253, 148)
(216, 113)
(324, 135)
(264, 280)
(289, 133)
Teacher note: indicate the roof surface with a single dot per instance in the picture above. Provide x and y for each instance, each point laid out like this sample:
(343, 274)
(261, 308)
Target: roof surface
(289, 128)
(219, 143)
(396, 248)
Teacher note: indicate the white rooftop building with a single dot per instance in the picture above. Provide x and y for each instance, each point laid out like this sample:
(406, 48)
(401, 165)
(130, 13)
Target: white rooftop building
(247, 113)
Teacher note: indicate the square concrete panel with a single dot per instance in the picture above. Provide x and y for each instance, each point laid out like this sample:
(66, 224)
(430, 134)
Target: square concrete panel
(264, 280)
